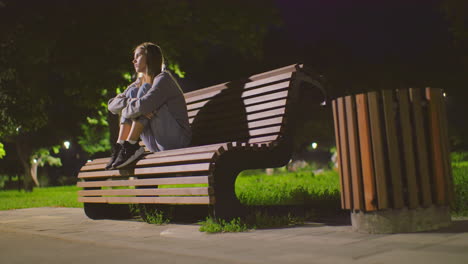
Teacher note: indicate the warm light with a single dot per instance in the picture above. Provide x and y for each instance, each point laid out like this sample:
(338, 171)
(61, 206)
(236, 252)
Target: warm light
(66, 144)
(314, 145)
(445, 95)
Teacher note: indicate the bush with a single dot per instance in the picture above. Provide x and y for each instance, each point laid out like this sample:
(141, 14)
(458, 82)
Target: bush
(460, 182)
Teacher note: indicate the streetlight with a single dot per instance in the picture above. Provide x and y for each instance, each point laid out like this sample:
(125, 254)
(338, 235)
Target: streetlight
(66, 144)
(314, 145)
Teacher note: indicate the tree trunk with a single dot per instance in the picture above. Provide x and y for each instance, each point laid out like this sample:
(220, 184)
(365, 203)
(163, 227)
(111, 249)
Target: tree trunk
(34, 167)
(24, 154)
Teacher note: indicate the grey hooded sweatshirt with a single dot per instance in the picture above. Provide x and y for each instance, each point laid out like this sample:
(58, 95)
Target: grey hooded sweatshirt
(169, 128)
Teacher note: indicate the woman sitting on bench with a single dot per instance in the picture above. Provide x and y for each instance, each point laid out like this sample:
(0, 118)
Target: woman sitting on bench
(153, 108)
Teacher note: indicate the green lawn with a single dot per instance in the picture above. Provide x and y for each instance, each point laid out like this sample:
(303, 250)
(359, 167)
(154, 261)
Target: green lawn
(64, 196)
(254, 188)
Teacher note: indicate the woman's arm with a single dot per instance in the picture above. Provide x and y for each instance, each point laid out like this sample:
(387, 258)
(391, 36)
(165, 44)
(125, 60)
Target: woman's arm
(116, 104)
(157, 95)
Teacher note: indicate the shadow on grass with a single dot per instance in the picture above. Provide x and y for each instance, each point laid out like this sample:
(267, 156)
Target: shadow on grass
(323, 212)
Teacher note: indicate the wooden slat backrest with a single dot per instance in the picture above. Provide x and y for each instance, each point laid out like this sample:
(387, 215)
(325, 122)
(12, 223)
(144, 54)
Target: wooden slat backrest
(242, 110)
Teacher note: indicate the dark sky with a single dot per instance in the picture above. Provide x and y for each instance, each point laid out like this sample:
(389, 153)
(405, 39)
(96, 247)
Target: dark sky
(363, 40)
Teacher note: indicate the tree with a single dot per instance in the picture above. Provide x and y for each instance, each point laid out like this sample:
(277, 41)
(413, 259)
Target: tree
(61, 59)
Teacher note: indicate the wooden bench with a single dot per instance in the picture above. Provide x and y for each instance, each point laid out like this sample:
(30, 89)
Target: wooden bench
(238, 125)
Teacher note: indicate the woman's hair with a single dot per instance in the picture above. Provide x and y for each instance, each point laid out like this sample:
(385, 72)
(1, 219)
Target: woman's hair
(154, 59)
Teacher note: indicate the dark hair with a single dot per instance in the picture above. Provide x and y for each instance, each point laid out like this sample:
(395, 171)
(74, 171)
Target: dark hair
(154, 58)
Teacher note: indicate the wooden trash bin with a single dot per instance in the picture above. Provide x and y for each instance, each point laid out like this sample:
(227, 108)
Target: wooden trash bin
(393, 158)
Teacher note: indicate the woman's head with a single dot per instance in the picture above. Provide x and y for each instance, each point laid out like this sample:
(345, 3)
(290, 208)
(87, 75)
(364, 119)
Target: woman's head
(148, 59)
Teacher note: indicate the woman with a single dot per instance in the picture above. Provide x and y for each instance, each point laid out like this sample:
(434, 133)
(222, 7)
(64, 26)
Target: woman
(153, 108)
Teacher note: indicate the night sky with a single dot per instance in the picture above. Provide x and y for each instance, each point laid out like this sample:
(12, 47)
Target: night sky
(349, 39)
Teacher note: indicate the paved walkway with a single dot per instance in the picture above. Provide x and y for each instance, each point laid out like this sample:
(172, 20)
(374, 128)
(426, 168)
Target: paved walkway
(66, 235)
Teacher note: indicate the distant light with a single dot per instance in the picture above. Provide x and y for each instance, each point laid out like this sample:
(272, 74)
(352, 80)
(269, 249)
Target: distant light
(66, 144)
(314, 145)
(445, 95)
(17, 129)
(35, 160)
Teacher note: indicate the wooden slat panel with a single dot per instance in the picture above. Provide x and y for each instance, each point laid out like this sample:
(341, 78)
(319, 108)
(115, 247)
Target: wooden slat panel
(248, 97)
(378, 150)
(265, 131)
(218, 148)
(259, 80)
(436, 147)
(344, 155)
(230, 99)
(146, 171)
(146, 182)
(259, 107)
(249, 117)
(421, 147)
(446, 150)
(253, 93)
(265, 98)
(206, 156)
(263, 139)
(408, 149)
(393, 149)
(237, 127)
(265, 114)
(354, 154)
(219, 112)
(365, 144)
(149, 200)
(148, 192)
(338, 150)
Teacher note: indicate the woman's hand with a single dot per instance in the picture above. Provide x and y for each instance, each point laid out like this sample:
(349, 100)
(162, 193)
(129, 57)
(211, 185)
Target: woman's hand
(149, 115)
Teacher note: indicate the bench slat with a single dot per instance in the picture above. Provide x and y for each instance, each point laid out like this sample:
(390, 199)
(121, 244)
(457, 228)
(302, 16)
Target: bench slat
(149, 200)
(213, 90)
(242, 125)
(146, 182)
(207, 156)
(218, 148)
(393, 148)
(154, 191)
(200, 167)
(247, 97)
(249, 117)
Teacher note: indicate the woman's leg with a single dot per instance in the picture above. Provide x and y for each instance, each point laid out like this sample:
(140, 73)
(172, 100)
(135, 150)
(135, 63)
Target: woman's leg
(124, 131)
(134, 131)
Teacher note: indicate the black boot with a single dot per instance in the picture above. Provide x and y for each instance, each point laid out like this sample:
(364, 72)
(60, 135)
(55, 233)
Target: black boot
(116, 148)
(128, 154)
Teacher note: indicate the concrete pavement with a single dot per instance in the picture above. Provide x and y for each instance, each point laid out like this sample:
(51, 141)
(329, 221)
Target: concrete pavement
(66, 235)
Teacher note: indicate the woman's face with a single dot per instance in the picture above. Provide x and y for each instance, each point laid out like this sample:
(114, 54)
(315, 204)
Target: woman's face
(139, 60)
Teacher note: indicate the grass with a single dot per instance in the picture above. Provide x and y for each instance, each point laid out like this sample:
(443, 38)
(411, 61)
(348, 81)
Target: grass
(257, 220)
(64, 196)
(288, 188)
(252, 188)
